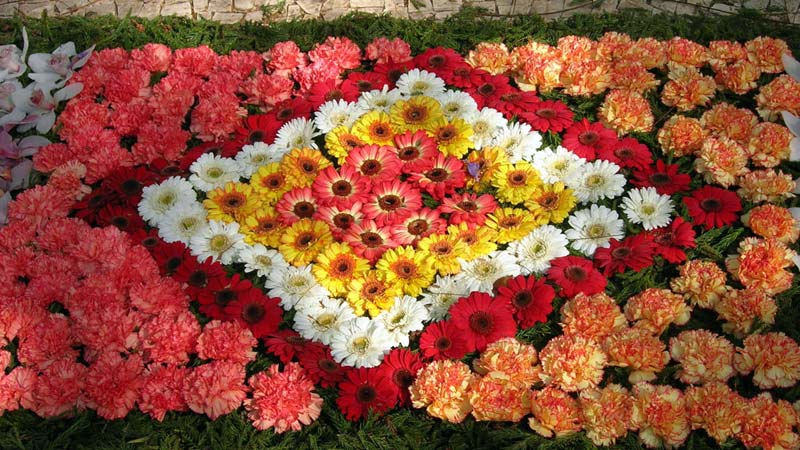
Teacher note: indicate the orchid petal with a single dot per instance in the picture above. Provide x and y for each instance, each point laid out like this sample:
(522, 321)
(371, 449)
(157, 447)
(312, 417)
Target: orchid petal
(795, 212)
(81, 58)
(68, 92)
(30, 145)
(4, 201)
(46, 122)
(794, 150)
(39, 62)
(20, 174)
(792, 122)
(791, 66)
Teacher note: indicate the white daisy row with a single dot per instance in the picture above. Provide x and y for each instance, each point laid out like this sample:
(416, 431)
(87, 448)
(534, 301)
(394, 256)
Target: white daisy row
(172, 207)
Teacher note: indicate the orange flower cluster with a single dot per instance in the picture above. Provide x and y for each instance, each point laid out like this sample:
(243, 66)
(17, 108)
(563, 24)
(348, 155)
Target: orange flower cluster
(774, 359)
(700, 282)
(740, 307)
(766, 185)
(607, 413)
(703, 356)
(639, 350)
(442, 388)
(761, 264)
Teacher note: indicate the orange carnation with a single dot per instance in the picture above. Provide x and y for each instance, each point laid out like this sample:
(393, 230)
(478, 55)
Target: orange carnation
(626, 111)
(554, 412)
(701, 282)
(761, 264)
(682, 135)
(772, 221)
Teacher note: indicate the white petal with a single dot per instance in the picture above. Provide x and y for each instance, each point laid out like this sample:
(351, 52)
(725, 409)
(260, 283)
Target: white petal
(794, 147)
(20, 173)
(792, 122)
(791, 66)
(46, 122)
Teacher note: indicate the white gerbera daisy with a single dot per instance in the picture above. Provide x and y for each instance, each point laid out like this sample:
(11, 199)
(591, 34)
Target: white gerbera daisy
(262, 260)
(457, 104)
(322, 321)
(594, 227)
(361, 343)
(442, 294)
(486, 124)
(535, 251)
(221, 241)
(647, 207)
(406, 315)
(597, 180)
(378, 100)
(212, 171)
(420, 82)
(255, 155)
(183, 222)
(336, 113)
(292, 284)
(157, 199)
(296, 133)
(481, 273)
(519, 141)
(557, 165)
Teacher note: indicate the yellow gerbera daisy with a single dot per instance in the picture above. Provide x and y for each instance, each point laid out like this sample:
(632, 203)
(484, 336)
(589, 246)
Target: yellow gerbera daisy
(262, 227)
(417, 113)
(340, 142)
(551, 203)
(270, 182)
(445, 251)
(304, 240)
(483, 164)
(336, 266)
(371, 292)
(302, 165)
(452, 136)
(478, 240)
(511, 224)
(231, 203)
(374, 127)
(412, 270)
(516, 183)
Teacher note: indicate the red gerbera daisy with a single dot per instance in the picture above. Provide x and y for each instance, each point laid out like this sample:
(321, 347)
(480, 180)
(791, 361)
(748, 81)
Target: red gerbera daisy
(627, 152)
(198, 276)
(531, 299)
(329, 90)
(257, 128)
(364, 390)
(585, 138)
(483, 319)
(415, 150)
(442, 340)
(487, 88)
(285, 344)
(148, 239)
(318, 362)
(468, 207)
(664, 177)
(393, 71)
(713, 207)
(634, 252)
(441, 61)
(341, 187)
(90, 205)
(392, 201)
(442, 178)
(164, 169)
(221, 292)
(291, 109)
(126, 184)
(672, 239)
(373, 161)
(125, 218)
(299, 203)
(170, 256)
(514, 103)
(227, 149)
(370, 241)
(259, 313)
(401, 366)
(548, 115)
(573, 274)
(359, 82)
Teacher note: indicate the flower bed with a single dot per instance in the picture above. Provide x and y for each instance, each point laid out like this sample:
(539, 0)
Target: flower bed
(399, 229)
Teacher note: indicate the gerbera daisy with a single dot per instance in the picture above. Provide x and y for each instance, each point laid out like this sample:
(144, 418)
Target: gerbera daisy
(486, 88)
(361, 342)
(518, 141)
(483, 319)
(257, 128)
(183, 222)
(535, 251)
(453, 136)
(442, 176)
(530, 299)
(468, 208)
(551, 203)
(371, 293)
(445, 251)
(573, 274)
(441, 295)
(341, 188)
(211, 171)
(664, 177)
(231, 203)
(374, 127)
(392, 201)
(647, 207)
(401, 367)
(157, 199)
(597, 180)
(340, 219)
(293, 284)
(253, 156)
(593, 227)
(296, 133)
(198, 275)
(511, 224)
(296, 204)
(170, 257)
(303, 241)
(480, 274)
(457, 104)
(369, 241)
(340, 142)
(670, 241)
(713, 207)
(634, 252)
(442, 340)
(259, 314)
(270, 183)
(316, 359)
(415, 150)
(627, 152)
(478, 240)
(405, 316)
(558, 165)
(322, 321)
(364, 391)
(358, 83)
(223, 291)
(548, 115)
(127, 183)
(412, 270)
(378, 99)
(417, 113)
(287, 345)
(336, 266)
(263, 227)
(516, 183)
(335, 113)
(417, 82)
(439, 60)
(585, 138)
(302, 165)
(220, 241)
(376, 162)
(261, 260)
(418, 225)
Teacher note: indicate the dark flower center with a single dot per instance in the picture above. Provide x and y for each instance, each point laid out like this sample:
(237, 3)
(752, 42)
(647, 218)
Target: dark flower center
(285, 114)
(546, 113)
(621, 252)
(173, 264)
(390, 202)
(486, 89)
(97, 201)
(198, 278)
(468, 205)
(295, 340)
(305, 239)
(436, 175)
(364, 85)
(443, 343)
(371, 239)
(588, 138)
(408, 153)
(403, 378)
(395, 75)
(343, 220)
(666, 238)
(481, 322)
(623, 153)
(342, 188)
(576, 274)
(522, 299)
(120, 222)
(224, 296)
(418, 226)
(150, 242)
(659, 179)
(274, 181)
(436, 61)
(370, 167)
(711, 205)
(255, 136)
(308, 167)
(366, 394)
(131, 187)
(253, 313)
(303, 209)
(335, 94)
(327, 365)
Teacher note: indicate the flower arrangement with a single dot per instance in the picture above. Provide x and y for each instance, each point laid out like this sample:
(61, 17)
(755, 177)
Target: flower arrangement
(391, 227)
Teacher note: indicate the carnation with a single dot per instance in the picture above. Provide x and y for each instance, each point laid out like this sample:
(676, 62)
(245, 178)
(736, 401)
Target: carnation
(442, 388)
(572, 363)
(555, 413)
(774, 359)
(607, 413)
(703, 356)
(283, 400)
(226, 341)
(215, 389)
(591, 316)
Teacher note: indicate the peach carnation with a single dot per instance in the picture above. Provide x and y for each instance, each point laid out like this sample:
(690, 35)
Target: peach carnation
(660, 414)
(613, 46)
(739, 308)
(740, 77)
(607, 413)
(574, 47)
(572, 363)
(700, 282)
(510, 360)
(112, 384)
(766, 186)
(495, 399)
(383, 51)
(554, 413)
(639, 350)
(682, 135)
(729, 121)
(761, 264)
(715, 408)
(687, 89)
(649, 51)
(722, 53)
(162, 390)
(626, 111)
(655, 309)
(542, 72)
(633, 76)
(772, 221)
(703, 356)
(5, 358)
(283, 400)
(774, 359)
(780, 94)
(491, 57)
(768, 425)
(582, 77)
(684, 52)
(215, 389)
(591, 316)
(721, 160)
(769, 144)
(767, 53)
(227, 341)
(442, 387)
(16, 389)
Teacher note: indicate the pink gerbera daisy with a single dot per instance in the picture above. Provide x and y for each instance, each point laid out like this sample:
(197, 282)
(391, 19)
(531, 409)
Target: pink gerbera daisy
(415, 150)
(585, 138)
(416, 226)
(341, 187)
(374, 161)
(468, 208)
(340, 220)
(299, 203)
(392, 201)
(370, 241)
(442, 178)
(548, 115)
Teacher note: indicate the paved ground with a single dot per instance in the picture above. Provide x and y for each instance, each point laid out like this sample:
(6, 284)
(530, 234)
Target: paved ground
(229, 11)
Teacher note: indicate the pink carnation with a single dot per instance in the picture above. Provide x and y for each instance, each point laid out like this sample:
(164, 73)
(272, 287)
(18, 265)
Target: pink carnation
(343, 52)
(170, 337)
(49, 339)
(284, 57)
(162, 390)
(384, 51)
(283, 400)
(215, 389)
(153, 57)
(267, 90)
(16, 389)
(227, 341)
(318, 72)
(160, 296)
(216, 117)
(113, 383)
(58, 389)
(199, 61)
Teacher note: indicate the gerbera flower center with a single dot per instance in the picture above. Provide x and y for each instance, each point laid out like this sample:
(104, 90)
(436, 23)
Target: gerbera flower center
(665, 238)
(442, 248)
(436, 174)
(366, 394)
(509, 222)
(255, 136)
(219, 243)
(264, 261)
(522, 299)
(149, 242)
(214, 172)
(546, 113)
(285, 114)
(100, 200)
(298, 283)
(352, 142)
(405, 269)
(327, 366)
(517, 179)
(588, 137)
(265, 225)
(446, 134)
(379, 130)
(659, 179)
(372, 289)
(461, 72)
(253, 313)
(416, 114)
(334, 94)
(370, 167)
(295, 340)
(648, 209)
(390, 202)
(418, 227)
(305, 240)
(371, 239)
(711, 205)
(576, 274)
(224, 296)
(408, 153)
(343, 220)
(166, 198)
(549, 200)
(443, 343)
(364, 85)
(309, 167)
(130, 187)
(623, 153)
(169, 171)
(510, 97)
(189, 223)
(198, 278)
(486, 89)
(344, 267)
(233, 200)
(325, 320)
(621, 252)
(303, 209)
(342, 188)
(360, 344)
(120, 222)
(173, 263)
(403, 378)
(395, 74)
(596, 231)
(274, 181)
(419, 87)
(595, 181)
(468, 238)
(481, 322)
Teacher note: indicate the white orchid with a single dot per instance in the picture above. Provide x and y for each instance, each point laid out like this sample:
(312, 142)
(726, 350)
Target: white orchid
(792, 67)
(12, 59)
(40, 105)
(58, 67)
(15, 166)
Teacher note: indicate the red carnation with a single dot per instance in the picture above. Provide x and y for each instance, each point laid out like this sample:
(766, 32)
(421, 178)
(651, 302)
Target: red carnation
(664, 177)
(585, 139)
(401, 366)
(627, 152)
(531, 299)
(548, 115)
(482, 319)
(713, 207)
(671, 240)
(574, 274)
(634, 252)
(364, 390)
(442, 340)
